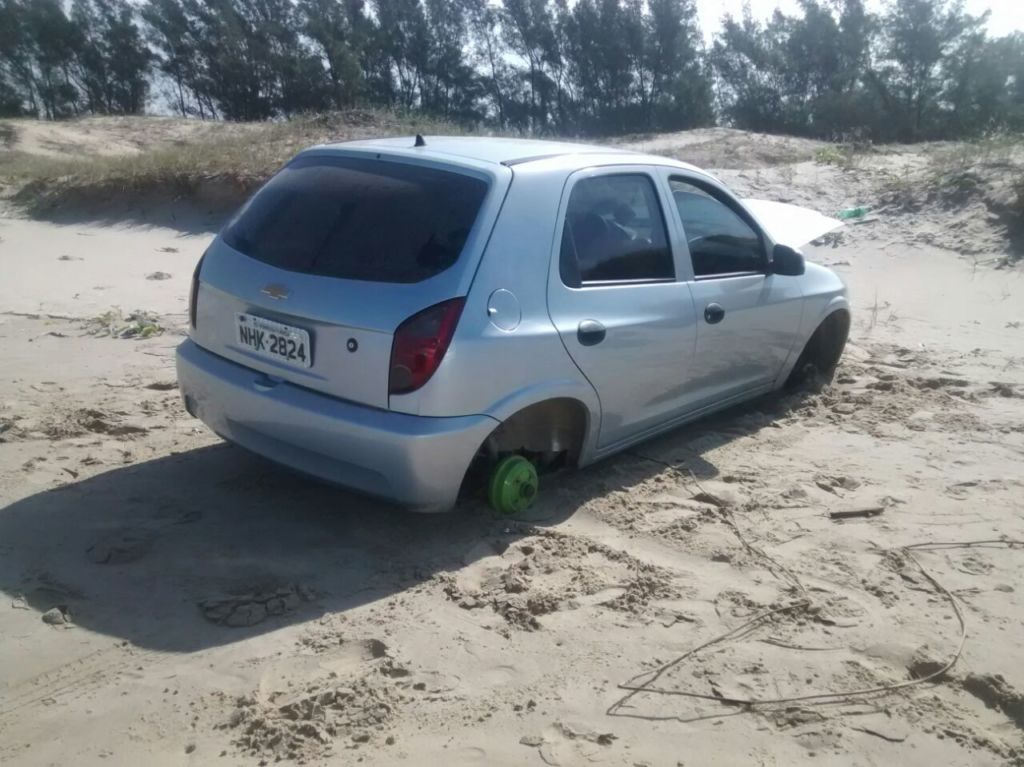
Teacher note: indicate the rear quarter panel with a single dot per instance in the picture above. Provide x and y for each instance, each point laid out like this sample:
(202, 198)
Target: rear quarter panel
(494, 371)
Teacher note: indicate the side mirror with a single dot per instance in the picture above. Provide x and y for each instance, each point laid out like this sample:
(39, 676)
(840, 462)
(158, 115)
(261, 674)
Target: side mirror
(787, 261)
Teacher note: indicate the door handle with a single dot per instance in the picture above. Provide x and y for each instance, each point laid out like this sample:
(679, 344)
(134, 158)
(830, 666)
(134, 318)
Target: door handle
(713, 314)
(590, 332)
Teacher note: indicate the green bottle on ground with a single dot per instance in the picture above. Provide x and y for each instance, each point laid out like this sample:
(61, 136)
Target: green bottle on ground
(859, 212)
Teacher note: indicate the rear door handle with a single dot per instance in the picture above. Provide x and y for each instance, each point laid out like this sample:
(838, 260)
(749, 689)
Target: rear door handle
(590, 332)
(713, 314)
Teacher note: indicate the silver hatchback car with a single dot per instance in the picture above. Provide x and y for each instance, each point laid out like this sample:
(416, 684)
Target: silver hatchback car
(384, 314)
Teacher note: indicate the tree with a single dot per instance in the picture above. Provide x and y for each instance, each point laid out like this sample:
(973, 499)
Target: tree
(921, 40)
(603, 65)
(18, 85)
(921, 69)
(751, 65)
(173, 33)
(451, 87)
(112, 59)
(234, 58)
(296, 74)
(799, 74)
(680, 85)
(497, 77)
(401, 41)
(38, 45)
(529, 32)
(1010, 51)
(340, 31)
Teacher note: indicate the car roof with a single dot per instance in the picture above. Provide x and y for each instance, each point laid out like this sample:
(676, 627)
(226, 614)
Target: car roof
(504, 151)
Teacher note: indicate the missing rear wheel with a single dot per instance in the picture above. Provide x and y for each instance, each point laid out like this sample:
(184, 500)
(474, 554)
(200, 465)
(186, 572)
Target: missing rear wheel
(513, 485)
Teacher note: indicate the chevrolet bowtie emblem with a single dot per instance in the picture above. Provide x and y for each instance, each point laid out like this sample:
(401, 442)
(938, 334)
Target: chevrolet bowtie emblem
(275, 291)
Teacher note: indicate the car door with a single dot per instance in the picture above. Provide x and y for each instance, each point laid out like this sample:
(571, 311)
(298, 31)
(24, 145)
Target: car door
(748, 317)
(625, 320)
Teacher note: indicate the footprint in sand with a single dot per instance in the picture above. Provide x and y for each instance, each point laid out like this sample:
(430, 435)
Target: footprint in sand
(121, 547)
(254, 607)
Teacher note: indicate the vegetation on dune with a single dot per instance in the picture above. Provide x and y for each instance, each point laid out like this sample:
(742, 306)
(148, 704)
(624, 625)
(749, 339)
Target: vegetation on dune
(279, 75)
(956, 172)
(965, 180)
(237, 158)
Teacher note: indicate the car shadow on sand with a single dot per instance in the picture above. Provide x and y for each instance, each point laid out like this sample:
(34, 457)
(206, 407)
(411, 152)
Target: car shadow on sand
(211, 546)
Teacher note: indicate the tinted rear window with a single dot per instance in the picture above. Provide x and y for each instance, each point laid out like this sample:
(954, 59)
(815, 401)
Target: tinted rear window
(359, 219)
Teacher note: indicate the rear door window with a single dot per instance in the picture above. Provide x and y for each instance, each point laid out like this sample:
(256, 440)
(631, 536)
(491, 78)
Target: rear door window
(359, 219)
(720, 241)
(614, 231)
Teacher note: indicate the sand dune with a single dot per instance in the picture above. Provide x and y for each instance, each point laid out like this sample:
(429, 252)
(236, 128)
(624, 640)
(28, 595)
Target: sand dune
(170, 599)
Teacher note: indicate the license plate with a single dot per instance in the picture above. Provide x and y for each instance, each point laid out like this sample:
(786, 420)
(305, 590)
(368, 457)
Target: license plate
(275, 340)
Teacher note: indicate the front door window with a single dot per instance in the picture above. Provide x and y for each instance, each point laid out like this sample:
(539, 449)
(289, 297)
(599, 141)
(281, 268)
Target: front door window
(720, 241)
(614, 232)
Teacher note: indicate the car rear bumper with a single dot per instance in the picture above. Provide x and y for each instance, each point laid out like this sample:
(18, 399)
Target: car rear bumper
(412, 460)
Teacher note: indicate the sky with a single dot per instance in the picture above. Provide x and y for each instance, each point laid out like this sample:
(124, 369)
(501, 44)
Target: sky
(1007, 15)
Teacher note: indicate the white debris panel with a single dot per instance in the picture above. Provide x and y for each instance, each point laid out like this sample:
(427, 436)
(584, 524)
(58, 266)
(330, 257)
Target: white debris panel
(791, 224)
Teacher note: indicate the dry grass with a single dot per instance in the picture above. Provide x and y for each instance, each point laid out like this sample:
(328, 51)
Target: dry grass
(982, 174)
(111, 164)
(846, 155)
(233, 156)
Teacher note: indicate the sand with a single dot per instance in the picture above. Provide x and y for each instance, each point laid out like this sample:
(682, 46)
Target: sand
(103, 136)
(168, 599)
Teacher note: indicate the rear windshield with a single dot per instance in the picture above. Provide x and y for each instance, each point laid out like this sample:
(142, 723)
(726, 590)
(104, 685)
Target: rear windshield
(359, 219)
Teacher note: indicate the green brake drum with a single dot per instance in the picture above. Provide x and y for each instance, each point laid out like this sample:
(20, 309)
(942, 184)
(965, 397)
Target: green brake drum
(513, 485)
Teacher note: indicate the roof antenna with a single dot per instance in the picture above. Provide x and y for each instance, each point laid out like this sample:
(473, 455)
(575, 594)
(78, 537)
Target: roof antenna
(419, 141)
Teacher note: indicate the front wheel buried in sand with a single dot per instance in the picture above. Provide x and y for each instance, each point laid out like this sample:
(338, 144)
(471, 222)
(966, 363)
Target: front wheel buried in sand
(820, 356)
(513, 485)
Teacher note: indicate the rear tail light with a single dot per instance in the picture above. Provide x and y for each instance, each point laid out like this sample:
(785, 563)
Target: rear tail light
(420, 344)
(193, 294)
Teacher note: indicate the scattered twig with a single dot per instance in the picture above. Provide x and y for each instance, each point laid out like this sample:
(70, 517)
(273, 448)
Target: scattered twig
(878, 734)
(990, 543)
(53, 333)
(868, 511)
(679, 619)
(42, 316)
(788, 646)
(776, 568)
(791, 539)
(632, 689)
(740, 630)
